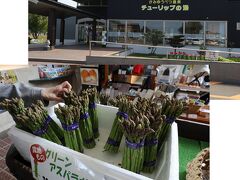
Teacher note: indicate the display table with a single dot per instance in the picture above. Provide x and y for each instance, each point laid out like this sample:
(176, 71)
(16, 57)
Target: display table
(95, 163)
(185, 87)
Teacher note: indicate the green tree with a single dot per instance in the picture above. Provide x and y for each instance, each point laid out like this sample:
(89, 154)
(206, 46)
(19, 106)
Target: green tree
(193, 27)
(155, 37)
(37, 24)
(177, 41)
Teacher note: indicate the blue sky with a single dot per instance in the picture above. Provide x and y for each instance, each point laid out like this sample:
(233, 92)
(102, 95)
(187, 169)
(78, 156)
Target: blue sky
(68, 2)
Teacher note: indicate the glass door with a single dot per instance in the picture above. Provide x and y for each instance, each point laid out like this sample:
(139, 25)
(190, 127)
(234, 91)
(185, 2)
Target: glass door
(100, 29)
(82, 34)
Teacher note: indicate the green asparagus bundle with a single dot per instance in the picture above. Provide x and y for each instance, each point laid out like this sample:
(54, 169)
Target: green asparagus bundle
(116, 134)
(69, 116)
(135, 129)
(113, 102)
(93, 98)
(151, 141)
(85, 122)
(142, 104)
(34, 119)
(15, 107)
(172, 109)
(71, 98)
(37, 120)
(82, 102)
(48, 120)
(103, 98)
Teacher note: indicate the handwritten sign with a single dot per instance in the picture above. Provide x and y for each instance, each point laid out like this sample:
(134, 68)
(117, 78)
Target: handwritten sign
(49, 163)
(212, 55)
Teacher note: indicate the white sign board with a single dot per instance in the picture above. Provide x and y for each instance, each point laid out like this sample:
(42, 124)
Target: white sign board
(49, 163)
(212, 55)
(238, 26)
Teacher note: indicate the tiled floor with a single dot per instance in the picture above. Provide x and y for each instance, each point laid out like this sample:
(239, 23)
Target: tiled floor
(5, 174)
(69, 54)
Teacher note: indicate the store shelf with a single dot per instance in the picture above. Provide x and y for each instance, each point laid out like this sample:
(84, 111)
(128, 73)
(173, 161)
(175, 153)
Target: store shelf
(193, 130)
(195, 118)
(129, 79)
(184, 87)
(49, 79)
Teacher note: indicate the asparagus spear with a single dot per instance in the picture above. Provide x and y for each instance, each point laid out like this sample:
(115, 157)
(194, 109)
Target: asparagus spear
(85, 122)
(93, 98)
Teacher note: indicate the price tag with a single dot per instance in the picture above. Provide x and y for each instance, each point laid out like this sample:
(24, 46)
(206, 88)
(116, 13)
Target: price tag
(212, 55)
(192, 116)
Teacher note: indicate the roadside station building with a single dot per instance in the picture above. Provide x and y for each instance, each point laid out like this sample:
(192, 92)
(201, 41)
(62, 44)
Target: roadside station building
(209, 22)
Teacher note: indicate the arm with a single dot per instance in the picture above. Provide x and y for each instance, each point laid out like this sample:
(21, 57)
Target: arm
(31, 94)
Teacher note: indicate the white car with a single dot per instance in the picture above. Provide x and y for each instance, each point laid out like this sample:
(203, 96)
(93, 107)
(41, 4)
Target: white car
(197, 42)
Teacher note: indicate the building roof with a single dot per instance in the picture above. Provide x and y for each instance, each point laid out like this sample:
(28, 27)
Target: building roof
(92, 2)
(42, 7)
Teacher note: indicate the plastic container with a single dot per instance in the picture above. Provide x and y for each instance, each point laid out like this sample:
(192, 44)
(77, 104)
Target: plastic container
(103, 162)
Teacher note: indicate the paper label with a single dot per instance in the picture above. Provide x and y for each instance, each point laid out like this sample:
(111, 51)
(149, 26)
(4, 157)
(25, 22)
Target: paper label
(192, 116)
(53, 164)
(212, 55)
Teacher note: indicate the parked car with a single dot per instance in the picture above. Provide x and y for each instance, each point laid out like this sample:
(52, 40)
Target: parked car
(194, 41)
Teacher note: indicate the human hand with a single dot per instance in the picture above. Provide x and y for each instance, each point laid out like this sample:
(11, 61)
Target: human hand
(55, 93)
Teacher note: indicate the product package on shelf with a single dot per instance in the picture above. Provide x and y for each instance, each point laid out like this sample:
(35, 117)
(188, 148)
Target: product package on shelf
(96, 163)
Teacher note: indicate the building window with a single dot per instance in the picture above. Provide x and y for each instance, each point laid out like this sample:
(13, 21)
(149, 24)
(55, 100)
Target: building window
(154, 25)
(216, 34)
(135, 32)
(209, 33)
(194, 33)
(173, 28)
(99, 29)
(116, 31)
